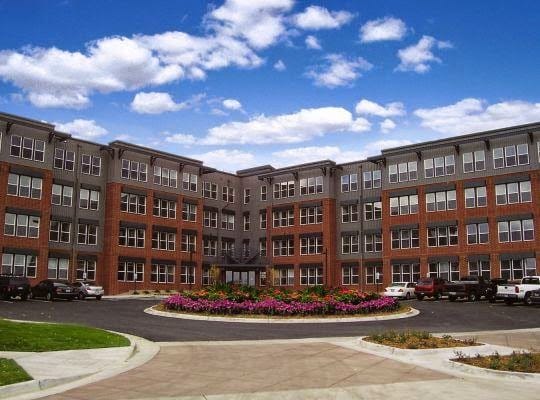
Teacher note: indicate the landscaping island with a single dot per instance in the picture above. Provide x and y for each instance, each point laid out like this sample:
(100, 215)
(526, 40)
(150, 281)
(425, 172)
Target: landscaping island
(418, 340)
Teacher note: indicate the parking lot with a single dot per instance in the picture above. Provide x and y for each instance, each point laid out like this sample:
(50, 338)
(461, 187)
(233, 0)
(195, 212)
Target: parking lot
(128, 316)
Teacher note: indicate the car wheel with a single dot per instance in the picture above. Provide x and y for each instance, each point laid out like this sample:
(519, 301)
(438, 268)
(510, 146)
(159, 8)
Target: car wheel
(98, 297)
(508, 302)
(527, 299)
(436, 296)
(492, 300)
(419, 297)
(49, 296)
(452, 298)
(408, 296)
(24, 296)
(472, 296)
(81, 296)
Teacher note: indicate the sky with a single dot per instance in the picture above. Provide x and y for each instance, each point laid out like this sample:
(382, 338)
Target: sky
(240, 83)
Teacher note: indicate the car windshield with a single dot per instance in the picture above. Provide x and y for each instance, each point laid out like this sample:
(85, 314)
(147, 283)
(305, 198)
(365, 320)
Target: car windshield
(398, 284)
(425, 282)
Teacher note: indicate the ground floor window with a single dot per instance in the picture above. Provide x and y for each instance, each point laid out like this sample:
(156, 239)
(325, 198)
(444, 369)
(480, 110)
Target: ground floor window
(349, 275)
(19, 265)
(244, 278)
(448, 270)
(86, 270)
(130, 271)
(374, 274)
(187, 275)
(407, 272)
(283, 276)
(480, 268)
(311, 276)
(207, 278)
(162, 273)
(58, 268)
(517, 268)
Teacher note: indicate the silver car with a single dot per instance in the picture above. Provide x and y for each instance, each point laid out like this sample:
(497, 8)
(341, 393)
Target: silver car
(88, 289)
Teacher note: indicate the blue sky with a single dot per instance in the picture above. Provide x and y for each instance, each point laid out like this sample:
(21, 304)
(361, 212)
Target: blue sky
(240, 83)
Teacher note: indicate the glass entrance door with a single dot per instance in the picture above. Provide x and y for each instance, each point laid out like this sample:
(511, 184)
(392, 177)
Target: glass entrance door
(245, 278)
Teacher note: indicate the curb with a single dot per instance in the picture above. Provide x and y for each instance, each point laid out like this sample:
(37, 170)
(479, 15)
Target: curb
(483, 372)
(381, 348)
(411, 313)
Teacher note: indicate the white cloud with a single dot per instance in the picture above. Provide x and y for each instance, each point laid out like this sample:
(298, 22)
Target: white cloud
(82, 128)
(315, 18)
(367, 107)
(232, 104)
(180, 138)
(227, 160)
(298, 127)
(418, 57)
(387, 125)
(313, 43)
(316, 153)
(387, 28)
(338, 71)
(154, 103)
(473, 115)
(374, 148)
(280, 66)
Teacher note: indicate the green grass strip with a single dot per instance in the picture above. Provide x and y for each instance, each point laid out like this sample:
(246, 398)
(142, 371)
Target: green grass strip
(11, 372)
(22, 336)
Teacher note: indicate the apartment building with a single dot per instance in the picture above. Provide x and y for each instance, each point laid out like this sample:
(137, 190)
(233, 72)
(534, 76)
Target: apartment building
(134, 218)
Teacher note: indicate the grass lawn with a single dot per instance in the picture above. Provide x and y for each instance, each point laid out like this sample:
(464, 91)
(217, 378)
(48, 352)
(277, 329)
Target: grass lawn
(10, 372)
(418, 340)
(22, 336)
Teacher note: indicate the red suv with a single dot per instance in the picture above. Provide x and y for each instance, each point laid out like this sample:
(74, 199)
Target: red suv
(429, 287)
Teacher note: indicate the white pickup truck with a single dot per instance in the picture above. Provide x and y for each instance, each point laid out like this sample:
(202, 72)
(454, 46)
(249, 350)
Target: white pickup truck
(520, 292)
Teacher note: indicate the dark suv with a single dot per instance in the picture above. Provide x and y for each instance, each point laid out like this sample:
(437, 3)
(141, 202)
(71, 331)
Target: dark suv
(429, 287)
(13, 286)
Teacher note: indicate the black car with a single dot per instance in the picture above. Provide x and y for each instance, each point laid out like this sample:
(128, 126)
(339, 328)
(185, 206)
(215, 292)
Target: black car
(51, 289)
(13, 286)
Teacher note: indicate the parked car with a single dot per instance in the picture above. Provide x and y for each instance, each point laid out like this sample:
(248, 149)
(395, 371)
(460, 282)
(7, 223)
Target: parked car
(51, 289)
(88, 289)
(429, 287)
(491, 291)
(535, 296)
(519, 292)
(403, 290)
(13, 286)
(472, 288)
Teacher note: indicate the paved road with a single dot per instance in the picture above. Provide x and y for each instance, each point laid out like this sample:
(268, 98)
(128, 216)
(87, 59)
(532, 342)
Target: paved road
(128, 316)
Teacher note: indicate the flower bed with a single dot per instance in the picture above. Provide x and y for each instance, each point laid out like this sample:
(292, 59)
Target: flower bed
(418, 340)
(235, 301)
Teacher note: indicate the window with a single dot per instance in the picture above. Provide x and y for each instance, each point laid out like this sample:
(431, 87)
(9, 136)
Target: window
(480, 268)
(373, 274)
(187, 275)
(405, 238)
(130, 272)
(88, 199)
(19, 265)
(133, 170)
(21, 225)
(209, 247)
(163, 240)
(247, 221)
(60, 231)
(131, 237)
(448, 270)
(62, 195)
(210, 219)
(403, 172)
(311, 215)
(24, 186)
(164, 208)
(349, 213)
(311, 276)
(439, 166)
(349, 183)
(207, 278)
(27, 148)
(372, 211)
(441, 201)
(404, 205)
(311, 185)
(264, 193)
(513, 192)
(165, 176)
(475, 161)
(162, 273)
(58, 268)
(511, 156)
(64, 159)
(478, 233)
(283, 276)
(349, 275)
(227, 194)
(498, 158)
(86, 270)
(372, 179)
(476, 197)
(283, 247)
(227, 221)
(522, 154)
(283, 190)
(189, 182)
(405, 272)
(442, 236)
(283, 218)
(209, 190)
(516, 230)
(349, 244)
(247, 195)
(90, 165)
(372, 242)
(189, 212)
(87, 234)
(517, 268)
(393, 173)
(133, 203)
(311, 245)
